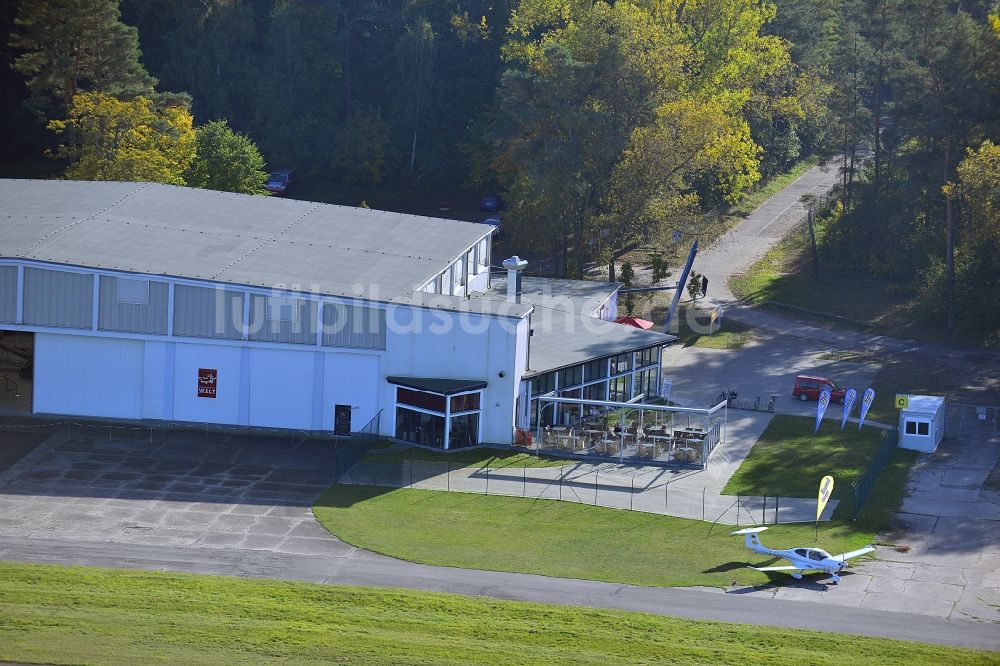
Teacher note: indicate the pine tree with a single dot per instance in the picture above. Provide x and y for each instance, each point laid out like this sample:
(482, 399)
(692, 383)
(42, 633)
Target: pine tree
(75, 46)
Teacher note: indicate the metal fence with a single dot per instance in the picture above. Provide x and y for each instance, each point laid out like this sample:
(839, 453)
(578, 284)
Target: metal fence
(357, 446)
(888, 439)
(964, 419)
(649, 490)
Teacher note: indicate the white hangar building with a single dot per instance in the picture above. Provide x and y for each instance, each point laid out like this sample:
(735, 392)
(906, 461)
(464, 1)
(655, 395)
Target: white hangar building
(153, 302)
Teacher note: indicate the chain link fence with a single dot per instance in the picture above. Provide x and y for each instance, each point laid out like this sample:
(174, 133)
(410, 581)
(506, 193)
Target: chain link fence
(659, 491)
(965, 419)
(888, 440)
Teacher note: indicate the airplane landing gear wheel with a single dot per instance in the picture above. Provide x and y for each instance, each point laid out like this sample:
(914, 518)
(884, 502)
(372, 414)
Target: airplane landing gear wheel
(836, 579)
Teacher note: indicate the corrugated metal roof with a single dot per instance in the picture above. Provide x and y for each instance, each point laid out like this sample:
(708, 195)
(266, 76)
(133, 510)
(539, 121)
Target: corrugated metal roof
(224, 237)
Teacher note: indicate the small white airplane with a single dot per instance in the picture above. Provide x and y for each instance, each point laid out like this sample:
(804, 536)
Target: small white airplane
(802, 559)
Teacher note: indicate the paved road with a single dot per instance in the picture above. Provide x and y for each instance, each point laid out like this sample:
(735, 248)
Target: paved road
(356, 567)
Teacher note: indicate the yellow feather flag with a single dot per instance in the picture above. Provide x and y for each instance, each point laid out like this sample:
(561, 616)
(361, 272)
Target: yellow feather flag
(825, 490)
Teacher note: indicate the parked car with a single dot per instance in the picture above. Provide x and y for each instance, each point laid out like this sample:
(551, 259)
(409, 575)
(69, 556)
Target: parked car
(495, 221)
(280, 181)
(808, 387)
(491, 203)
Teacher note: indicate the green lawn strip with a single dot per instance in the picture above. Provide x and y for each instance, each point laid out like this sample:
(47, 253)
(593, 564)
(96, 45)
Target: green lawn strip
(693, 322)
(555, 538)
(788, 460)
(76, 615)
(479, 457)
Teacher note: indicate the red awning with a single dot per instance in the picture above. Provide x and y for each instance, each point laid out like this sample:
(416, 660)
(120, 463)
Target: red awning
(636, 322)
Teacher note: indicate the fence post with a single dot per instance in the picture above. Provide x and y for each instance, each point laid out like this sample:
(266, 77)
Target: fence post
(487, 478)
(411, 473)
(595, 486)
(703, 503)
(524, 480)
(763, 511)
(776, 509)
(666, 497)
(631, 493)
(739, 505)
(560, 482)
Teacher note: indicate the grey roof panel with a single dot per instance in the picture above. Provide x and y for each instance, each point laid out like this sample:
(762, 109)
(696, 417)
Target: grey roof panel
(562, 339)
(438, 385)
(202, 234)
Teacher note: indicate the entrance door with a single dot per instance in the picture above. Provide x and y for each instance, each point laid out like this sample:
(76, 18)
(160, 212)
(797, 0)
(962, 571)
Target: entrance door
(17, 362)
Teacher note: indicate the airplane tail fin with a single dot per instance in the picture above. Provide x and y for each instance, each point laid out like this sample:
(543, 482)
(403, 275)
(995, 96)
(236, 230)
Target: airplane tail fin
(751, 538)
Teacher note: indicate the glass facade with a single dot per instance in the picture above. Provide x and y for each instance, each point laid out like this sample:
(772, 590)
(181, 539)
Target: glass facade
(618, 378)
(437, 420)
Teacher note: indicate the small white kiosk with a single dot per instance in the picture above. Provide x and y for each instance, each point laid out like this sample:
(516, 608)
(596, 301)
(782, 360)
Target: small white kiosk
(921, 422)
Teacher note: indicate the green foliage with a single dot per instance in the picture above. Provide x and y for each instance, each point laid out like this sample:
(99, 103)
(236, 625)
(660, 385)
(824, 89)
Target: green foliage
(226, 161)
(75, 46)
(53, 614)
(615, 120)
(111, 139)
(359, 153)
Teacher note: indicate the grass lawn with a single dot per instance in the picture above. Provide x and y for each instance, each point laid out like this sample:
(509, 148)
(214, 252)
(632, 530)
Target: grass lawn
(731, 335)
(555, 538)
(785, 276)
(495, 458)
(785, 279)
(789, 460)
(76, 615)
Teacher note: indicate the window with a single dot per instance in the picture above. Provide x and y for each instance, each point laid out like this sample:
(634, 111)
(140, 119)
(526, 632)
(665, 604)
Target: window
(280, 309)
(464, 431)
(419, 427)
(470, 262)
(543, 383)
(596, 391)
(621, 363)
(431, 401)
(597, 370)
(911, 427)
(571, 376)
(923, 428)
(466, 402)
(133, 292)
(483, 253)
(647, 357)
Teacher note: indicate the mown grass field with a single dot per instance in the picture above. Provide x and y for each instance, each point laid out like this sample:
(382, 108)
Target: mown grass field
(75, 615)
(789, 460)
(555, 538)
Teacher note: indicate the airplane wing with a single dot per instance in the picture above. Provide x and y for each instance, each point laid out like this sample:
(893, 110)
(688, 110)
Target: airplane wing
(789, 568)
(843, 557)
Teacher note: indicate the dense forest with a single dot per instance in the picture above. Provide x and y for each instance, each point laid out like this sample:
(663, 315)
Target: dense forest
(605, 124)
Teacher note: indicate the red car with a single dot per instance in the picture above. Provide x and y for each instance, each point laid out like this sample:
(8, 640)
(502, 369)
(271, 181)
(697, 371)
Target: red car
(808, 387)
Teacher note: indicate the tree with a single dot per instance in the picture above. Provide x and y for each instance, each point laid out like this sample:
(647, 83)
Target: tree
(112, 139)
(75, 46)
(225, 161)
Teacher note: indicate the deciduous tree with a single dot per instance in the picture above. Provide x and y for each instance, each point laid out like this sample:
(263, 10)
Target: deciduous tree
(226, 161)
(125, 140)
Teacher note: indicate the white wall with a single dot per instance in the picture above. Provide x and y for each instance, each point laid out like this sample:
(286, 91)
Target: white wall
(257, 386)
(427, 343)
(188, 406)
(88, 376)
(352, 379)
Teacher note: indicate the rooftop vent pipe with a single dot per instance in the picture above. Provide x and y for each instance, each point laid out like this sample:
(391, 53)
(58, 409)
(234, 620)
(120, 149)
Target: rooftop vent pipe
(515, 265)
